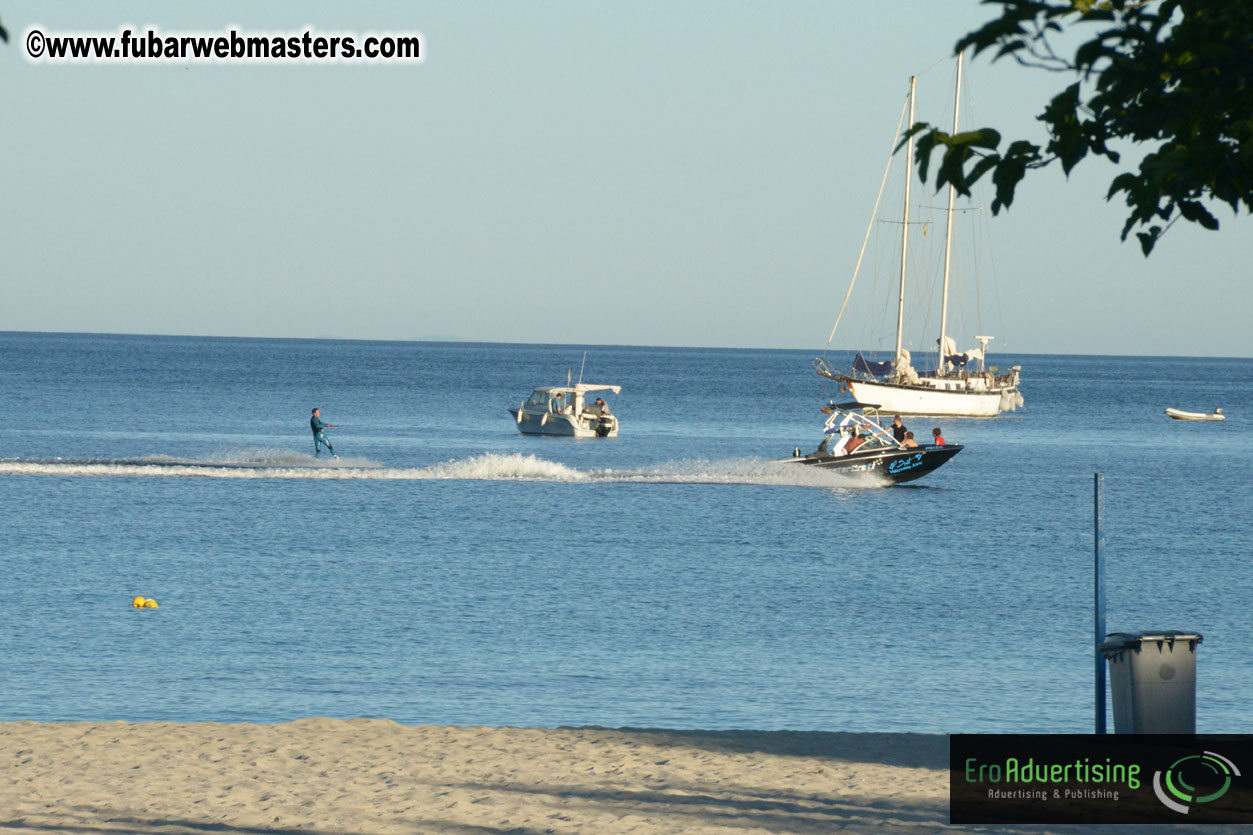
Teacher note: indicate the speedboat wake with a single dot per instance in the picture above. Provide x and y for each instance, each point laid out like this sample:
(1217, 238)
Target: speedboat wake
(279, 464)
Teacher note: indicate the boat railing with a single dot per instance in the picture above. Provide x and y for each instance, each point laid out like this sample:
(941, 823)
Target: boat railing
(839, 421)
(823, 369)
(1009, 378)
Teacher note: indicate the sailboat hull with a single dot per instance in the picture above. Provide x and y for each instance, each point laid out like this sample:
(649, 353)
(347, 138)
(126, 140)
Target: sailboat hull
(924, 400)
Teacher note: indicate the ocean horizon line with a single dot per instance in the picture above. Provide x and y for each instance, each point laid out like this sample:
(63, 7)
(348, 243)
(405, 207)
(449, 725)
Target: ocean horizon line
(446, 340)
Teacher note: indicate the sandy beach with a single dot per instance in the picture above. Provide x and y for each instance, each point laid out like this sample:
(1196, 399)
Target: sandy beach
(376, 776)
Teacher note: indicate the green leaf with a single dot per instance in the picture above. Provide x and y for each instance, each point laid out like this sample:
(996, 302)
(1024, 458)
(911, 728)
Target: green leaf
(981, 138)
(982, 167)
(1006, 178)
(922, 153)
(1147, 239)
(1195, 212)
(951, 170)
(1123, 182)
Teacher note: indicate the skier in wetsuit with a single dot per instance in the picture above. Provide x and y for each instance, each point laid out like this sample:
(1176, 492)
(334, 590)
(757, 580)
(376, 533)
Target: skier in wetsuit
(316, 424)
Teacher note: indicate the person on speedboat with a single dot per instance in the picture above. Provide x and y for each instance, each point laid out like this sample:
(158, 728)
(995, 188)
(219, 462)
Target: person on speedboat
(857, 440)
(909, 442)
(898, 429)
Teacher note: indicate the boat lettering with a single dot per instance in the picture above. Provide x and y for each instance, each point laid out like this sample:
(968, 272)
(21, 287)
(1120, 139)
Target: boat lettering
(905, 463)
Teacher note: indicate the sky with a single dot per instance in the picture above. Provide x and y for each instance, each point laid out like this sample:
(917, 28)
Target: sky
(644, 173)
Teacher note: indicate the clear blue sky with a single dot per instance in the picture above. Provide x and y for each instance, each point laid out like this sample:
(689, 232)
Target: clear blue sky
(651, 173)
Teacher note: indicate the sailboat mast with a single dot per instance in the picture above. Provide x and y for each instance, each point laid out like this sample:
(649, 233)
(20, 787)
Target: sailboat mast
(948, 229)
(909, 176)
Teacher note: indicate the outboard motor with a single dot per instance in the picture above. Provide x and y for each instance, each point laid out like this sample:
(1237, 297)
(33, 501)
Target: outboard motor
(602, 428)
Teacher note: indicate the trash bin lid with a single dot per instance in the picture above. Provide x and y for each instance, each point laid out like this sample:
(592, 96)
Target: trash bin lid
(1116, 641)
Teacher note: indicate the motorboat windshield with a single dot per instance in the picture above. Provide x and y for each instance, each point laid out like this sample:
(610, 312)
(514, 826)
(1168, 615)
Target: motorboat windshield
(844, 423)
(540, 398)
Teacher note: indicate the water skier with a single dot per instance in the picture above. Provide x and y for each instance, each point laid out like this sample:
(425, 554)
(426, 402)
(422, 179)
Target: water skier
(316, 424)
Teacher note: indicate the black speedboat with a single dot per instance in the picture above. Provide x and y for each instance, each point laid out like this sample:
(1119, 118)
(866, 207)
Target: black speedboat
(877, 451)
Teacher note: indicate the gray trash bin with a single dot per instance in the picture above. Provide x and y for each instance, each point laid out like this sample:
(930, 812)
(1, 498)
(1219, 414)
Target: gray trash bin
(1152, 677)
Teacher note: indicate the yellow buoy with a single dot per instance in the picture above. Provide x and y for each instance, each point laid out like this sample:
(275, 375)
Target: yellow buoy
(138, 602)
(150, 603)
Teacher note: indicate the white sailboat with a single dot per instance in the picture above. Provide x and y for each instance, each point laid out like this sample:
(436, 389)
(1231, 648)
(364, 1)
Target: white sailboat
(962, 385)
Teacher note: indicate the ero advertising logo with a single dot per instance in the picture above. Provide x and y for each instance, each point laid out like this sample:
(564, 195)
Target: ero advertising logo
(1179, 785)
(1097, 779)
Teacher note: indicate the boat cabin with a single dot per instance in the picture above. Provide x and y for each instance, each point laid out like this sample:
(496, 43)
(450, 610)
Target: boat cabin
(565, 400)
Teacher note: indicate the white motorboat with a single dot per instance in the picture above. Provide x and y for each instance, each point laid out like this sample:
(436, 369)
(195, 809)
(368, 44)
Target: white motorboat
(1180, 414)
(961, 384)
(565, 410)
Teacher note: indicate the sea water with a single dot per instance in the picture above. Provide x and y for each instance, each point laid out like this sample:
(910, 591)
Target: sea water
(446, 569)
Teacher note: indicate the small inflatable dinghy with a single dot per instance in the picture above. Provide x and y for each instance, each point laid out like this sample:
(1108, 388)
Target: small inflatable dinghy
(1180, 414)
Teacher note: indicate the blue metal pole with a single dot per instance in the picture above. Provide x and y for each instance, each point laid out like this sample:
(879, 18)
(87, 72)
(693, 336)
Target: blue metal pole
(1098, 584)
